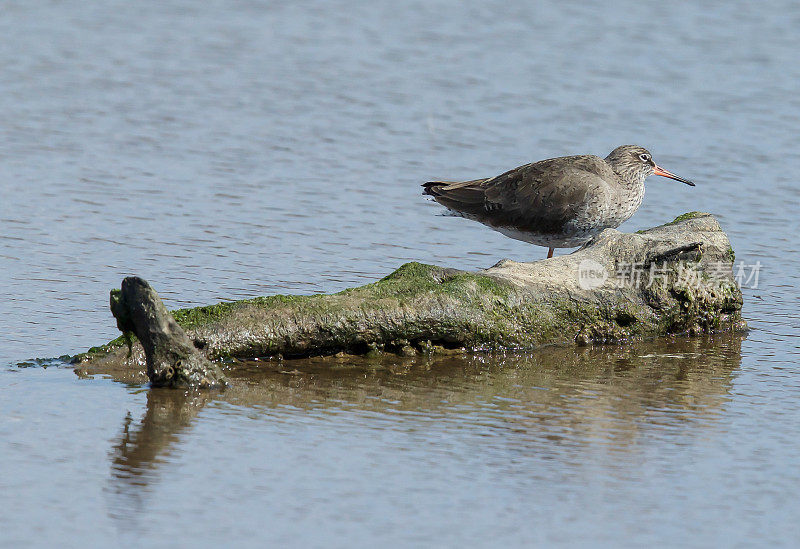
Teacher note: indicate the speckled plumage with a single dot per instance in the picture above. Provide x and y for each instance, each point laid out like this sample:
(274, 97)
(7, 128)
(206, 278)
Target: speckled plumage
(558, 203)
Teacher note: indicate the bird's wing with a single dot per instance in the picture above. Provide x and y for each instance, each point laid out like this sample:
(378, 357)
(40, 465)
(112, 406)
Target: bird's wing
(541, 197)
(544, 196)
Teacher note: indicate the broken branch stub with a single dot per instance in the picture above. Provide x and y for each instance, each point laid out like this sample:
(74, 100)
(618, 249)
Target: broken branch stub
(171, 357)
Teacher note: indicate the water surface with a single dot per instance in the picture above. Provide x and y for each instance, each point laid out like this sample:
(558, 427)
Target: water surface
(238, 148)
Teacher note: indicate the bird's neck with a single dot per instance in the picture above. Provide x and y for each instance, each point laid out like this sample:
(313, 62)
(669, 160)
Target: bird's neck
(630, 189)
(634, 181)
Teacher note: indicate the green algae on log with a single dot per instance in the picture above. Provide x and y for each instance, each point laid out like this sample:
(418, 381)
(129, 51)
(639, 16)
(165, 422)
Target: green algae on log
(672, 279)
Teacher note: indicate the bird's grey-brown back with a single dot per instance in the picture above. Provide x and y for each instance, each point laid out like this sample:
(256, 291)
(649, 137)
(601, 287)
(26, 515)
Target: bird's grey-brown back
(558, 202)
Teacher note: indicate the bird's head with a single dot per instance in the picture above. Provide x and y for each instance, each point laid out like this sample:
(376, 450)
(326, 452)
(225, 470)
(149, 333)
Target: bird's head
(633, 163)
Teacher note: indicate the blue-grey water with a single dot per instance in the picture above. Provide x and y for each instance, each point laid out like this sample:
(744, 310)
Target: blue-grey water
(229, 149)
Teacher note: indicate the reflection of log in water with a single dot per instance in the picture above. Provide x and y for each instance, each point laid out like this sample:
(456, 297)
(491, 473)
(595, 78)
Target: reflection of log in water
(168, 414)
(575, 395)
(141, 446)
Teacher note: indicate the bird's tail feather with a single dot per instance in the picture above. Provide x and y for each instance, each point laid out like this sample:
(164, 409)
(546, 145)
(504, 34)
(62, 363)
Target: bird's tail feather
(461, 197)
(436, 188)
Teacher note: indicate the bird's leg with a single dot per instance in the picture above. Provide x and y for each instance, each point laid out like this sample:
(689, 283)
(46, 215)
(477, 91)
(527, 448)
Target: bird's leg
(550, 253)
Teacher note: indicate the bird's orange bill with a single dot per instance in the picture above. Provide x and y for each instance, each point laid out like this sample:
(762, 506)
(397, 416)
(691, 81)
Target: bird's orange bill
(664, 173)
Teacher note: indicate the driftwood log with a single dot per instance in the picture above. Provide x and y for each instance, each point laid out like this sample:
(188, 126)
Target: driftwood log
(672, 279)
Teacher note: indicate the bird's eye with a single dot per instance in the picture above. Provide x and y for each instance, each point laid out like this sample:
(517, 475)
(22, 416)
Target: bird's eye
(644, 157)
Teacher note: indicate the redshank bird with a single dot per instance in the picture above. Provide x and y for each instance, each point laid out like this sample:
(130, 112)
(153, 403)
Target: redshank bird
(557, 203)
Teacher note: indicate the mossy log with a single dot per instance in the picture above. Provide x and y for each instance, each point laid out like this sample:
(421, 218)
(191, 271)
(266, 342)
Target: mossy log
(672, 279)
